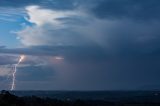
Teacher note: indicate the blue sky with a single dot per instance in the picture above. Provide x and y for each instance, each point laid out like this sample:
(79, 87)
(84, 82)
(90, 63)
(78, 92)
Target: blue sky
(10, 23)
(7, 37)
(80, 45)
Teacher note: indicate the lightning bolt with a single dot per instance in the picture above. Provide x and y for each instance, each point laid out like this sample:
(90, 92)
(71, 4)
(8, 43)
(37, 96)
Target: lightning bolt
(21, 58)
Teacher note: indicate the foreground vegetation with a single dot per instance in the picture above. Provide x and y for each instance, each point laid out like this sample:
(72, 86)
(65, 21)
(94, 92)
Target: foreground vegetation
(8, 99)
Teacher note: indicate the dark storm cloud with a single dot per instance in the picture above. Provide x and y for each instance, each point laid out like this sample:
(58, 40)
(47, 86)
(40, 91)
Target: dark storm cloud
(2, 47)
(70, 52)
(112, 9)
(83, 53)
(31, 51)
(35, 73)
(134, 39)
(56, 4)
(133, 9)
(7, 59)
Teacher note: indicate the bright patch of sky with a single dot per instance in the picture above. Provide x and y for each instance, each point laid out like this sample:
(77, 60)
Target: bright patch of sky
(11, 20)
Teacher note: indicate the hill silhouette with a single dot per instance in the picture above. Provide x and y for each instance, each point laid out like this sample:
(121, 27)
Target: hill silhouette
(8, 99)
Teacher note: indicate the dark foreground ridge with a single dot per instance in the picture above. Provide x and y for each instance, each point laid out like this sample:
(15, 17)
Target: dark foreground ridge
(8, 99)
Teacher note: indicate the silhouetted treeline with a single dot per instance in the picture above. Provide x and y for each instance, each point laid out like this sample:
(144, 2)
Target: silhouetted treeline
(8, 99)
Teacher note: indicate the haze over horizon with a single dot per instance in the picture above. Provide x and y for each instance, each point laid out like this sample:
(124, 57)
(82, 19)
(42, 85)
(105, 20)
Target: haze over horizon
(80, 44)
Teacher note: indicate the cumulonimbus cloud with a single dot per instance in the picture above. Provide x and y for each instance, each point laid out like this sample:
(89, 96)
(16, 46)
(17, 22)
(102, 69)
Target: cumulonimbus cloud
(50, 27)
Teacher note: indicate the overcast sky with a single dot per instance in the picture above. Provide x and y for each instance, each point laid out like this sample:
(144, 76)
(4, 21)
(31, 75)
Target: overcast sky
(80, 44)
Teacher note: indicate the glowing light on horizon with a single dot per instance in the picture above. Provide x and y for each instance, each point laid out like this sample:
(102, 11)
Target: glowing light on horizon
(21, 58)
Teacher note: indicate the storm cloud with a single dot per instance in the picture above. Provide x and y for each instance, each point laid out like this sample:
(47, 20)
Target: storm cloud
(107, 42)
